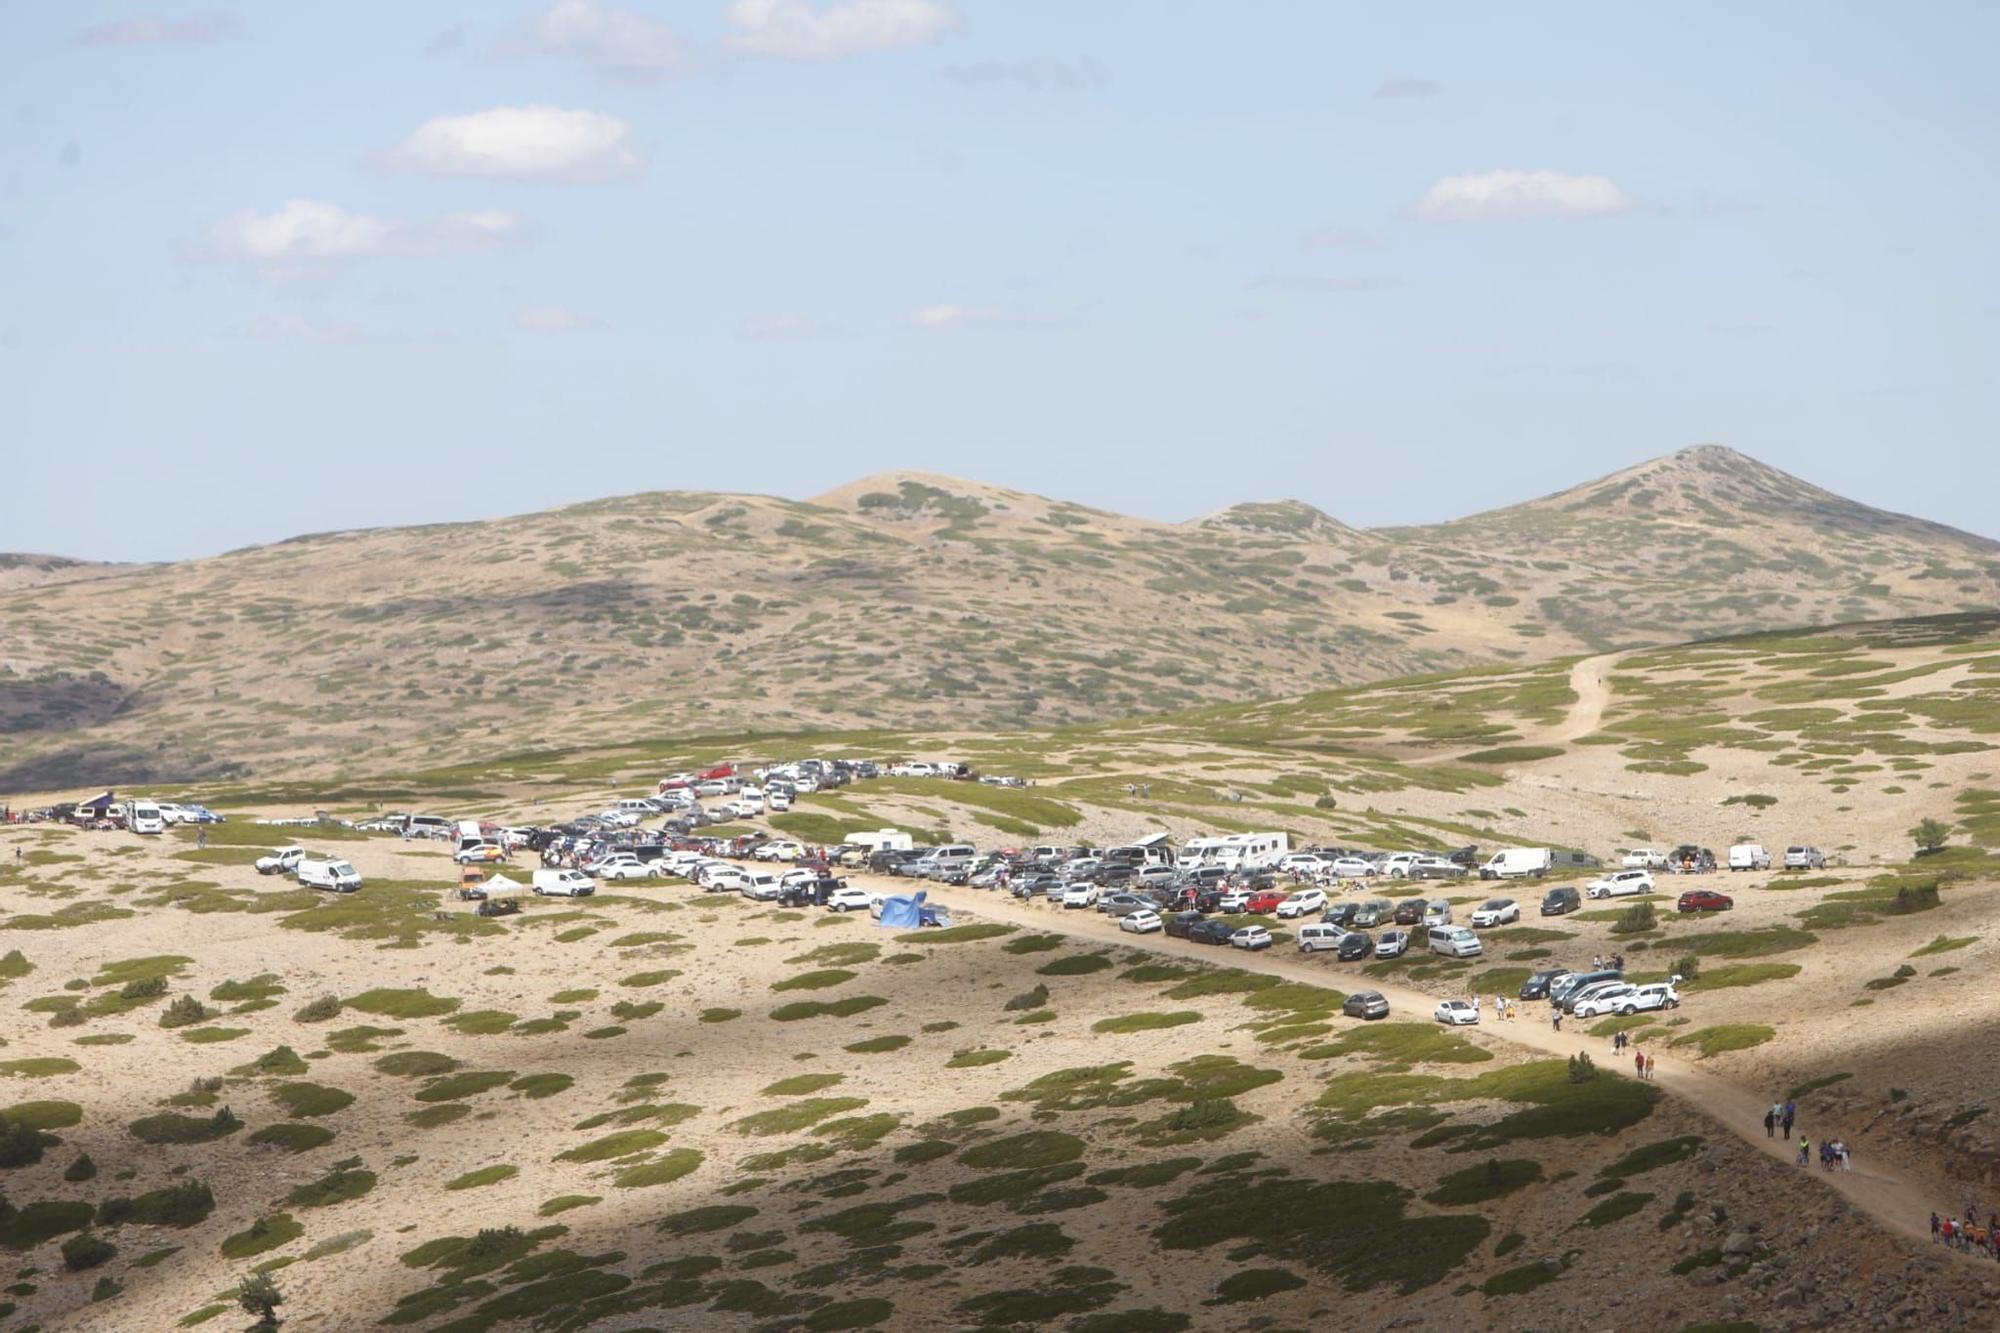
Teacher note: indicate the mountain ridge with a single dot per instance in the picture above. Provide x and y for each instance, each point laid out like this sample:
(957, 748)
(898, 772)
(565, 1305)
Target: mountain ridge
(907, 599)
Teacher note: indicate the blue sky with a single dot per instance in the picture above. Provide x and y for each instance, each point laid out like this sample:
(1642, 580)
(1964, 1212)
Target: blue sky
(288, 268)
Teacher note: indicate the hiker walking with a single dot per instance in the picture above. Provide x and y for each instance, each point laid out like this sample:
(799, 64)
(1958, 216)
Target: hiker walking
(1934, 1228)
(1771, 1127)
(1639, 1063)
(201, 838)
(1650, 1062)
(1790, 1114)
(1805, 1150)
(1556, 1019)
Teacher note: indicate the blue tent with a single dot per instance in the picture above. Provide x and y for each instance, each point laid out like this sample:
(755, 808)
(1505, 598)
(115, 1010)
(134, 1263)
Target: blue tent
(906, 911)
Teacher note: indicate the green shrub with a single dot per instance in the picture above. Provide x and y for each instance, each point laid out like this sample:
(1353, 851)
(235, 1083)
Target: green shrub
(184, 1010)
(86, 1251)
(320, 1010)
(170, 1127)
(1635, 920)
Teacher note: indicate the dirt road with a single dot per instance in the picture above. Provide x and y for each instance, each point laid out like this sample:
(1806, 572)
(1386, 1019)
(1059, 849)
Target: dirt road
(1898, 1203)
(1590, 679)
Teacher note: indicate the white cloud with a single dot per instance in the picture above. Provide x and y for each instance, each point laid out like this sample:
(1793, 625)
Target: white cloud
(785, 329)
(520, 143)
(617, 41)
(981, 317)
(306, 230)
(152, 30)
(795, 30)
(1391, 89)
(1510, 196)
(552, 319)
(1042, 74)
(1325, 285)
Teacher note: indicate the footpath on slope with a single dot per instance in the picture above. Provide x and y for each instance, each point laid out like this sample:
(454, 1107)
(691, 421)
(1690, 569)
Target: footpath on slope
(1590, 681)
(1899, 1204)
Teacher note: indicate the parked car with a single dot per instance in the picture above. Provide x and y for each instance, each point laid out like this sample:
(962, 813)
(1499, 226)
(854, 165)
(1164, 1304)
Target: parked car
(1644, 858)
(1563, 898)
(1435, 867)
(1457, 1013)
(1366, 1004)
(281, 862)
(1124, 904)
(1456, 942)
(1620, 884)
(1267, 900)
(1536, 987)
(1302, 902)
(1749, 856)
(1393, 944)
(1142, 922)
(1252, 938)
(1567, 985)
(625, 866)
(1354, 946)
(1352, 867)
(1340, 914)
(849, 900)
(1210, 930)
(1588, 990)
(326, 873)
(1232, 900)
(1314, 938)
(1704, 900)
(1181, 923)
(490, 907)
(569, 883)
(1804, 858)
(1496, 912)
(1080, 895)
(1374, 912)
(1437, 914)
(1602, 999)
(1410, 911)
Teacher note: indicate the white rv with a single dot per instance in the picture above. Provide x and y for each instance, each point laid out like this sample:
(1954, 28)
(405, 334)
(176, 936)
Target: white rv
(1237, 851)
(144, 817)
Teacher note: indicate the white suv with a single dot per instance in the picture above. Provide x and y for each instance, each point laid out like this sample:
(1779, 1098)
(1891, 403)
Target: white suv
(1620, 884)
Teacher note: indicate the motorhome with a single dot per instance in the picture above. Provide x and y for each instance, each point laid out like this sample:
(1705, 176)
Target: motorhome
(144, 817)
(1237, 851)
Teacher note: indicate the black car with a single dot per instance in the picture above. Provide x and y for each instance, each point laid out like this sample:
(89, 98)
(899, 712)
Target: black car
(1182, 924)
(1537, 986)
(1561, 899)
(1355, 945)
(1210, 930)
(1409, 911)
(1113, 874)
(1340, 914)
(1366, 1004)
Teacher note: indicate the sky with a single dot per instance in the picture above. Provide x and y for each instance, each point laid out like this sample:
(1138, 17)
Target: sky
(291, 268)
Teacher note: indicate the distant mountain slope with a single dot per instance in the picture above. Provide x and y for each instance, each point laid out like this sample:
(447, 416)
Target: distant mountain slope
(906, 600)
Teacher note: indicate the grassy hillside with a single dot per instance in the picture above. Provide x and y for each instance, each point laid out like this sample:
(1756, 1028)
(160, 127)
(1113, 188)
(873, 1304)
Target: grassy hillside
(902, 602)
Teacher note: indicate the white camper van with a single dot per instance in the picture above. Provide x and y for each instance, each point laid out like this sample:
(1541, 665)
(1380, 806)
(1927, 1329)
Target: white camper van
(144, 817)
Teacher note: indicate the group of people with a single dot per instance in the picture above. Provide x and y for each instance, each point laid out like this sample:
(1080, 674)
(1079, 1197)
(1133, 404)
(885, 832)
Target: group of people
(1833, 1153)
(1965, 1233)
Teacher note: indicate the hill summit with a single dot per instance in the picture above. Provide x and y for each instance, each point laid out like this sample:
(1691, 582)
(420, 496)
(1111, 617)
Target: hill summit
(909, 600)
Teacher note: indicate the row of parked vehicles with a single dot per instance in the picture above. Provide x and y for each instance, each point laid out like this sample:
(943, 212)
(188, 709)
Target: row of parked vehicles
(1688, 859)
(312, 872)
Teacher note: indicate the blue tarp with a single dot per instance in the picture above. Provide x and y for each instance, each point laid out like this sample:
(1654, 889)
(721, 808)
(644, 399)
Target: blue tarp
(906, 911)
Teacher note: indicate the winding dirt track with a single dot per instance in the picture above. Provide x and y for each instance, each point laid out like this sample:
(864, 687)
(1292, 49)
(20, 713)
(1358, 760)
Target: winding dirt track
(1898, 1203)
(1591, 681)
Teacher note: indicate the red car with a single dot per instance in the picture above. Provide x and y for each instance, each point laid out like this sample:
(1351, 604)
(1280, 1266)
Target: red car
(1267, 901)
(1704, 900)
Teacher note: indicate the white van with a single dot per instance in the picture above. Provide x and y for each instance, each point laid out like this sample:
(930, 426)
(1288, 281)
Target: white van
(1456, 942)
(1316, 937)
(564, 884)
(144, 817)
(760, 886)
(949, 859)
(1749, 856)
(633, 805)
(1518, 863)
(325, 873)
